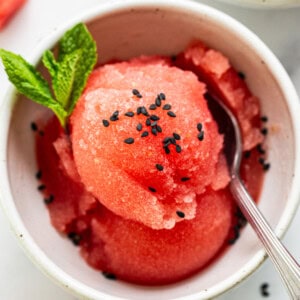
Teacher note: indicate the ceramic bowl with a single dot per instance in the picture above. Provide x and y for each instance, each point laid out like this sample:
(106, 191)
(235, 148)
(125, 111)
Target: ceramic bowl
(264, 3)
(125, 29)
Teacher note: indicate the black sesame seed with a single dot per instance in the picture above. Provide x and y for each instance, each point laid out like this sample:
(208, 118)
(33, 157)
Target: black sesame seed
(178, 149)
(109, 276)
(172, 140)
(75, 238)
(159, 167)
(236, 235)
(152, 107)
(116, 113)
(180, 214)
(236, 231)
(151, 189)
(139, 127)
(247, 154)
(165, 145)
(159, 129)
(171, 114)
(242, 75)
(176, 136)
(154, 131)
(264, 118)
(201, 136)
(264, 290)
(266, 166)
(158, 102)
(173, 58)
(148, 122)
(114, 116)
(153, 124)
(41, 187)
(261, 160)
(241, 220)
(129, 141)
(105, 123)
(49, 199)
(129, 114)
(139, 110)
(135, 92)
(231, 241)
(144, 111)
(183, 179)
(167, 150)
(144, 134)
(264, 131)
(166, 140)
(38, 174)
(154, 118)
(33, 126)
(199, 127)
(162, 96)
(260, 149)
(167, 107)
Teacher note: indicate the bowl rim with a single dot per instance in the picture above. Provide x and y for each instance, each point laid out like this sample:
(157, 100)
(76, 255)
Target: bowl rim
(258, 4)
(6, 200)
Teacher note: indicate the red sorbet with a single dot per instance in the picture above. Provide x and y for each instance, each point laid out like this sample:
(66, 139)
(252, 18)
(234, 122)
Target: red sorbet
(140, 183)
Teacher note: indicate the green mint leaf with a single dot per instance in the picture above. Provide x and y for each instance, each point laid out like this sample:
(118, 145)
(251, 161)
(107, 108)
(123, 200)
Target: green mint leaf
(63, 80)
(50, 62)
(20, 71)
(78, 38)
(30, 83)
(77, 56)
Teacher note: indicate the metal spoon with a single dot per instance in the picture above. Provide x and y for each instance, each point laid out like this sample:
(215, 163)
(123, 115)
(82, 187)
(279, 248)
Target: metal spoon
(286, 265)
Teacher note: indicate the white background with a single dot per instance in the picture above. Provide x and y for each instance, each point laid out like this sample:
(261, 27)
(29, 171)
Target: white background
(279, 29)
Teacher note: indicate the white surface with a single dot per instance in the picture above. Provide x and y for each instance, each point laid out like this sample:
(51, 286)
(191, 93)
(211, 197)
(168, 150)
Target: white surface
(279, 29)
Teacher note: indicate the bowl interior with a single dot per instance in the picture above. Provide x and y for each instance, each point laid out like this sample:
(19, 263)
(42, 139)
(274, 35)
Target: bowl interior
(166, 30)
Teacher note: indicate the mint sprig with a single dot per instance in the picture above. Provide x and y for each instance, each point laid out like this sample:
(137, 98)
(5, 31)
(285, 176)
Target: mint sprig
(77, 56)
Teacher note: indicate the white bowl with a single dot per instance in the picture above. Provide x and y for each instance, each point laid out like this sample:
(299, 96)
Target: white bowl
(125, 29)
(265, 3)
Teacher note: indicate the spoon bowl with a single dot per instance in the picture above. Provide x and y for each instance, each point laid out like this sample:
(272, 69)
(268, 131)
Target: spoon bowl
(285, 264)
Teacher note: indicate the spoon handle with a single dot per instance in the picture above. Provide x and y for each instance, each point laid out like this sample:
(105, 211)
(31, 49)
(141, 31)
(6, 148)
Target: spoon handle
(284, 262)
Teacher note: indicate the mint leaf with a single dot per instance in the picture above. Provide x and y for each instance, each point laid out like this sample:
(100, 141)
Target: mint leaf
(50, 62)
(30, 82)
(78, 38)
(77, 56)
(20, 71)
(63, 80)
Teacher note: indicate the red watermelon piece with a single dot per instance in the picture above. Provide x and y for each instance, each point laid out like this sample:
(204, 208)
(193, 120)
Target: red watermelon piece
(7, 9)
(213, 68)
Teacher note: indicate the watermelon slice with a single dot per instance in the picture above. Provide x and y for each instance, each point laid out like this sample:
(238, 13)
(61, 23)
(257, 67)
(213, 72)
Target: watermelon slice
(7, 9)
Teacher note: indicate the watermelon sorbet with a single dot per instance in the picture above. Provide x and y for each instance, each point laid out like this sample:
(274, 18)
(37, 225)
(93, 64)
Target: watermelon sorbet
(140, 181)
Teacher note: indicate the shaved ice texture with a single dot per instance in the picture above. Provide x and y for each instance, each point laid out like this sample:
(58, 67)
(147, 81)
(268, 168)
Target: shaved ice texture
(120, 174)
(149, 208)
